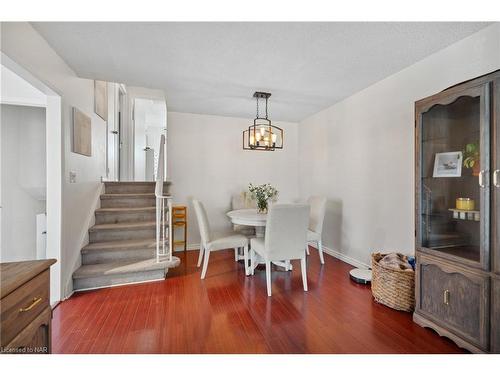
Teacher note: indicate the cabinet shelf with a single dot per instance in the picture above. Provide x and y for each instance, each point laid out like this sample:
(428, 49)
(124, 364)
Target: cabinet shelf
(461, 251)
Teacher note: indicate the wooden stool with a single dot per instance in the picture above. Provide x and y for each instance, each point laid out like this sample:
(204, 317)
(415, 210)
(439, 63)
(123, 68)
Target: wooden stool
(179, 219)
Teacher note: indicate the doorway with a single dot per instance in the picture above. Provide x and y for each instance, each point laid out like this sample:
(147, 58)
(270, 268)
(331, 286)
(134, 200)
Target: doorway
(150, 119)
(30, 177)
(114, 126)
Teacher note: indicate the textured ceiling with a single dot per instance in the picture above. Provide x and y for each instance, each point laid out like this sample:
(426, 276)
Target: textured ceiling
(214, 68)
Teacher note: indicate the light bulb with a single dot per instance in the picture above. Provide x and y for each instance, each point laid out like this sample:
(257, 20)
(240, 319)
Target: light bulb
(262, 131)
(274, 137)
(257, 137)
(252, 140)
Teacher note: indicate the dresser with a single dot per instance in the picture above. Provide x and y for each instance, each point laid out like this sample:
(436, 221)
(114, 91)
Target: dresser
(26, 315)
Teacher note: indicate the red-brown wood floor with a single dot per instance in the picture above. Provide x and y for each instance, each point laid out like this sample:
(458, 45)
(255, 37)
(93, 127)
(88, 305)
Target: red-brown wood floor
(231, 313)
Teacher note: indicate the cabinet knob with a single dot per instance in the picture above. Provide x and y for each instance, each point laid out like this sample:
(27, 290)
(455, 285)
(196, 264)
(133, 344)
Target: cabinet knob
(446, 297)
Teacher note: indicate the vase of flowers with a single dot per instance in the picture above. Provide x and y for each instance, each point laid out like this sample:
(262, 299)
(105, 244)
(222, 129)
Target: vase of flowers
(262, 194)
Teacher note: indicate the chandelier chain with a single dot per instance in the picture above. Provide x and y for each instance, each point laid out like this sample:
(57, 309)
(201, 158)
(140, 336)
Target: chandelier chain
(257, 99)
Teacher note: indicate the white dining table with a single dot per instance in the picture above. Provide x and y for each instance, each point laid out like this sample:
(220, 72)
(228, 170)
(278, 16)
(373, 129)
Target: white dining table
(251, 217)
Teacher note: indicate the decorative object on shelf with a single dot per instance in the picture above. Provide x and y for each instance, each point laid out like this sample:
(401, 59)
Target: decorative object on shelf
(82, 133)
(466, 204)
(393, 281)
(262, 135)
(448, 164)
(466, 214)
(101, 99)
(262, 194)
(472, 158)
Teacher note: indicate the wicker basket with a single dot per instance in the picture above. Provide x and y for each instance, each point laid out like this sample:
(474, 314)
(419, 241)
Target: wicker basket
(392, 287)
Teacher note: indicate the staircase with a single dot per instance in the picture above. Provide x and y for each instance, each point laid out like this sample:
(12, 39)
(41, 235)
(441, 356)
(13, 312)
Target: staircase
(122, 243)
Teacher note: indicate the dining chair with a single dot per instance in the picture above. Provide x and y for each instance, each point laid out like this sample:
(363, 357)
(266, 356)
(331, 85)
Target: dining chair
(285, 239)
(210, 242)
(316, 218)
(239, 202)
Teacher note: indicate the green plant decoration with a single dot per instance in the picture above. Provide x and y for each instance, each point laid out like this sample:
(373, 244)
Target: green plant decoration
(471, 155)
(262, 194)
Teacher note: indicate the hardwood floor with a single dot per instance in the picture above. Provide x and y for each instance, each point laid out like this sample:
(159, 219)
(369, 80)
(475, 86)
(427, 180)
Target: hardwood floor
(231, 313)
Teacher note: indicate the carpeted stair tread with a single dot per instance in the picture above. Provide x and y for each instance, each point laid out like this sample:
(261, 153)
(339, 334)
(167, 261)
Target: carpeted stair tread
(125, 209)
(149, 243)
(124, 226)
(127, 195)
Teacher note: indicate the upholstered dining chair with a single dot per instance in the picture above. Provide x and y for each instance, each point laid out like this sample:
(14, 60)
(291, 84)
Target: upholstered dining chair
(210, 242)
(285, 239)
(240, 202)
(316, 218)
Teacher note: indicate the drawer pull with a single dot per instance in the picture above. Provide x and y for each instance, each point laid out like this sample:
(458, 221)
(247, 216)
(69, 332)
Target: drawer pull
(446, 297)
(496, 181)
(35, 302)
(481, 178)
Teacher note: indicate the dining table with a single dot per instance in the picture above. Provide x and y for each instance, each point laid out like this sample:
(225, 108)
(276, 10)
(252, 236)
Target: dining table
(253, 218)
(250, 217)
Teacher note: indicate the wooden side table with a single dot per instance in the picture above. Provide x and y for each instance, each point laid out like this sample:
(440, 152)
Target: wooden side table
(179, 220)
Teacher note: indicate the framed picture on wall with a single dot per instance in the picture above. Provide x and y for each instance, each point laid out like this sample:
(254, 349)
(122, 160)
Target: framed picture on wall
(82, 133)
(448, 164)
(101, 99)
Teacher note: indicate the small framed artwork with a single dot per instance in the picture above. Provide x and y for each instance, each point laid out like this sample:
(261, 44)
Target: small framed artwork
(82, 133)
(101, 99)
(448, 164)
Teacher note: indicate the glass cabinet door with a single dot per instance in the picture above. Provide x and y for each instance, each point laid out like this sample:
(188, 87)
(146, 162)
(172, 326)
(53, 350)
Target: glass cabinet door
(452, 176)
(495, 187)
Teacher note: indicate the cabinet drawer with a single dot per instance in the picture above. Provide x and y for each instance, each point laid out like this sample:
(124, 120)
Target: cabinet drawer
(23, 305)
(456, 299)
(34, 338)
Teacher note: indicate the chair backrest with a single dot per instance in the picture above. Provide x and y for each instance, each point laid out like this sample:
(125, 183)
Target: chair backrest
(317, 215)
(286, 231)
(241, 201)
(203, 224)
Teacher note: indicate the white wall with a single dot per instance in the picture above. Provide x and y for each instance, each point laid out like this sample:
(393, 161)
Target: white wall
(360, 152)
(22, 180)
(24, 45)
(206, 161)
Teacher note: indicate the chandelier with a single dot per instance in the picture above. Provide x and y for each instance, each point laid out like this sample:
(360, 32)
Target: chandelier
(262, 135)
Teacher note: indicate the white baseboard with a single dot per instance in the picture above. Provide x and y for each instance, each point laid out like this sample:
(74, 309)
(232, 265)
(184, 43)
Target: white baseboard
(344, 258)
(326, 250)
(193, 246)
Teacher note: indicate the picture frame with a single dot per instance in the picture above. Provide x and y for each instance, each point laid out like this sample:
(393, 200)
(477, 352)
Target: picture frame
(448, 164)
(82, 133)
(101, 99)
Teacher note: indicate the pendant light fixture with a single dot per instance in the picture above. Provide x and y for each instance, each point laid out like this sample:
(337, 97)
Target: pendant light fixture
(262, 135)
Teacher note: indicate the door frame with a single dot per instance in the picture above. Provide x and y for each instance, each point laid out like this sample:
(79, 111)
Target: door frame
(53, 139)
